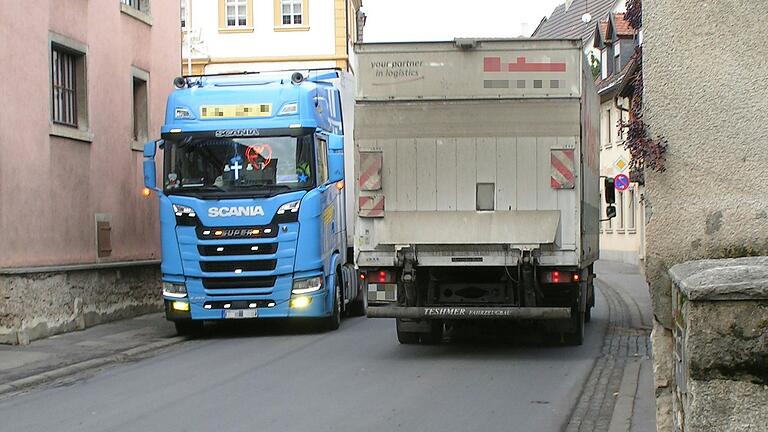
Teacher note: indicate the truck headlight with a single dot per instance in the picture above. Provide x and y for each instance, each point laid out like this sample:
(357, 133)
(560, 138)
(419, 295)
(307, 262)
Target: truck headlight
(288, 212)
(184, 215)
(174, 290)
(306, 286)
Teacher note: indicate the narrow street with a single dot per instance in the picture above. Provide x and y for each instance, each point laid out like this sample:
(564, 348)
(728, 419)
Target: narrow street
(279, 377)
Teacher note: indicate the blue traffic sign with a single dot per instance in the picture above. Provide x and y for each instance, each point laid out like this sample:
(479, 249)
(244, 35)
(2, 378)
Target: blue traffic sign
(621, 182)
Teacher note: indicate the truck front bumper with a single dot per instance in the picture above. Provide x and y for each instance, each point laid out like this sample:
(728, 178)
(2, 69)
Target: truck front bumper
(470, 313)
(316, 308)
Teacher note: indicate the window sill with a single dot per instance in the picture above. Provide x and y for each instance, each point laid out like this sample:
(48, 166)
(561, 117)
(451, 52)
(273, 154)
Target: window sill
(138, 145)
(71, 133)
(620, 231)
(135, 13)
(291, 28)
(631, 231)
(235, 29)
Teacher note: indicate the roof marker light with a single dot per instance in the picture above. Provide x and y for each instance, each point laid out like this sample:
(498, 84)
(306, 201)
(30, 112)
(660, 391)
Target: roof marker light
(295, 126)
(219, 249)
(175, 130)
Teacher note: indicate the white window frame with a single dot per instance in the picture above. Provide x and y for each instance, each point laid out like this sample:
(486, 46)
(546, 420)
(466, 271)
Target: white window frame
(240, 12)
(184, 14)
(620, 211)
(632, 210)
(295, 9)
(609, 129)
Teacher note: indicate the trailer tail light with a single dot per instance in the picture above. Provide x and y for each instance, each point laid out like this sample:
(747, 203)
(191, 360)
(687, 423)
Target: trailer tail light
(379, 277)
(561, 277)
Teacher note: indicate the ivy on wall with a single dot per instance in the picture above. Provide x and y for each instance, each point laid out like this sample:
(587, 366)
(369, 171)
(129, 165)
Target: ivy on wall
(644, 150)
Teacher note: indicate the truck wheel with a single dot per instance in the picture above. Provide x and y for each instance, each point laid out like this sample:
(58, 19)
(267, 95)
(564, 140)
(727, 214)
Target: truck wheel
(404, 337)
(334, 321)
(189, 327)
(576, 336)
(588, 314)
(358, 306)
(435, 334)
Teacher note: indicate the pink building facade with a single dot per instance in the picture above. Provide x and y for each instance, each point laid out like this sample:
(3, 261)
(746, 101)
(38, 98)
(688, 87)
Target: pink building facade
(83, 85)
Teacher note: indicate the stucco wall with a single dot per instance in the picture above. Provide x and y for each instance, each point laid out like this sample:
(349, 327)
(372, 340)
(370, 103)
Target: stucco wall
(264, 41)
(52, 187)
(704, 67)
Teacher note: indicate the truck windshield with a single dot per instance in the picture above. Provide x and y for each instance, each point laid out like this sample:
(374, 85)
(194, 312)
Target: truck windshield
(234, 166)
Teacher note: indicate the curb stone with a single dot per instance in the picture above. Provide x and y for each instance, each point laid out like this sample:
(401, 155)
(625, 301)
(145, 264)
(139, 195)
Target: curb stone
(72, 369)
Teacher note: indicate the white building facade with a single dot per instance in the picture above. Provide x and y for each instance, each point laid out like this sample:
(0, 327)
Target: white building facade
(223, 36)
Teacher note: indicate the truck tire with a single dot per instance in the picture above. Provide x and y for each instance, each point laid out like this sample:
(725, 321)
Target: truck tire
(188, 328)
(334, 321)
(575, 337)
(435, 335)
(404, 337)
(358, 306)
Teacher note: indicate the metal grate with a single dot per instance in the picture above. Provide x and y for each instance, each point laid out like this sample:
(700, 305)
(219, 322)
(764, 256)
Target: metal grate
(64, 85)
(239, 282)
(238, 249)
(237, 266)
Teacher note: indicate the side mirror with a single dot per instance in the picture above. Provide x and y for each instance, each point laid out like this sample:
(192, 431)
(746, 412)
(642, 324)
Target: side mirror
(335, 158)
(610, 212)
(150, 171)
(610, 192)
(150, 149)
(336, 143)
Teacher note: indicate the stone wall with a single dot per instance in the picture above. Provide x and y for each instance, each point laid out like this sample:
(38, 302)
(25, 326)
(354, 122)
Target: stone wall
(720, 332)
(702, 63)
(36, 304)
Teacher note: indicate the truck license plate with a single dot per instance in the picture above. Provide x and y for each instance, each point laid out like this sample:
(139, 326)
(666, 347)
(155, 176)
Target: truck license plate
(240, 313)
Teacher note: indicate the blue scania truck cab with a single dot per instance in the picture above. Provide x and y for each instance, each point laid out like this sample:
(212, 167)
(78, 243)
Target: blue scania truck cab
(252, 203)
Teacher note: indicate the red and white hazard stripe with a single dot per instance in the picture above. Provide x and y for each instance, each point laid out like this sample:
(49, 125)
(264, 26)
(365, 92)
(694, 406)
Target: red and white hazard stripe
(562, 169)
(370, 171)
(371, 206)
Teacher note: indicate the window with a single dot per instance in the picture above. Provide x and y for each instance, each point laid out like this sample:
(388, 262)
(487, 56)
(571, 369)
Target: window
(290, 12)
(617, 56)
(140, 108)
(322, 161)
(68, 87)
(235, 16)
(604, 63)
(620, 210)
(631, 206)
(237, 13)
(64, 85)
(138, 9)
(291, 15)
(139, 5)
(607, 128)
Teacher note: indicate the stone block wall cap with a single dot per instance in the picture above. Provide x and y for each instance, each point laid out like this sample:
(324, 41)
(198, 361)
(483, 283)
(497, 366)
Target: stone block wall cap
(723, 279)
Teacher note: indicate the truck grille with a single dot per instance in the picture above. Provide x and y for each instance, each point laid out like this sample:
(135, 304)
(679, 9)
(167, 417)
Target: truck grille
(239, 282)
(240, 249)
(234, 266)
(207, 233)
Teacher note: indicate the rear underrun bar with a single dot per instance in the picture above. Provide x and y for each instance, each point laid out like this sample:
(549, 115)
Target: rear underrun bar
(470, 313)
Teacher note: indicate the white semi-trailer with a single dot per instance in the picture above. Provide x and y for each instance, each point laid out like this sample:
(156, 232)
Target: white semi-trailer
(476, 182)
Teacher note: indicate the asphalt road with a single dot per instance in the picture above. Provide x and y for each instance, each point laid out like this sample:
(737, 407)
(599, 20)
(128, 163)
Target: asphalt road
(284, 378)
